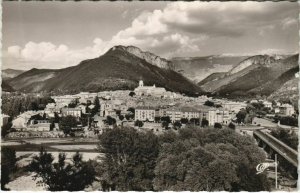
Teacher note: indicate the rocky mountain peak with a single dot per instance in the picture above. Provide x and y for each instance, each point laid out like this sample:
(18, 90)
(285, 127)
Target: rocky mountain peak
(147, 56)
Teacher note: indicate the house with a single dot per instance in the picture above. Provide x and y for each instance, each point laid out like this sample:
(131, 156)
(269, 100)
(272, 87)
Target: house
(84, 97)
(219, 116)
(83, 108)
(98, 121)
(267, 104)
(66, 99)
(75, 112)
(177, 113)
(145, 113)
(174, 113)
(106, 107)
(21, 122)
(286, 109)
(52, 108)
(234, 106)
(39, 125)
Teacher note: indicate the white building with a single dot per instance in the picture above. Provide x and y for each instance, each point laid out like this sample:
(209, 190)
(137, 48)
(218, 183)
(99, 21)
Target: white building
(83, 108)
(219, 116)
(145, 114)
(287, 109)
(234, 106)
(267, 104)
(142, 90)
(105, 108)
(75, 112)
(21, 122)
(86, 96)
(39, 125)
(177, 113)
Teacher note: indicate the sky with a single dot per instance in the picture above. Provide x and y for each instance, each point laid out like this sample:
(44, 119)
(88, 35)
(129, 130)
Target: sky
(61, 34)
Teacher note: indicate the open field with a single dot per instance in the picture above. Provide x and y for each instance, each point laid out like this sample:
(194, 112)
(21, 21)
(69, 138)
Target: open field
(54, 145)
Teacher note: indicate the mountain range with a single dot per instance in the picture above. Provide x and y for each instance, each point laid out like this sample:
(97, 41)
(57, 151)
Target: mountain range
(118, 69)
(257, 75)
(122, 67)
(198, 68)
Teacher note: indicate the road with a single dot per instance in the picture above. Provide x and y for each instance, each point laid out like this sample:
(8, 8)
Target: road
(263, 122)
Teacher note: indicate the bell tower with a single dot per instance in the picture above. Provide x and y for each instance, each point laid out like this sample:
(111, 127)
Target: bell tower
(141, 83)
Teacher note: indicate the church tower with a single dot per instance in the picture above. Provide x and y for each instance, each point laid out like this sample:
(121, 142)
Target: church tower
(141, 83)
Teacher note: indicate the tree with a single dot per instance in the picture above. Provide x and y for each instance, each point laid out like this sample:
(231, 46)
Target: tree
(204, 122)
(195, 121)
(241, 115)
(231, 126)
(8, 162)
(96, 108)
(67, 123)
(130, 159)
(110, 121)
(6, 128)
(138, 123)
(165, 124)
(121, 117)
(56, 117)
(177, 125)
(61, 176)
(131, 109)
(166, 119)
(218, 126)
(131, 93)
(157, 119)
(128, 117)
(208, 160)
(184, 120)
(209, 103)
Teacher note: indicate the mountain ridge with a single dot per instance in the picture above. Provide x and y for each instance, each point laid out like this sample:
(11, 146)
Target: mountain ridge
(117, 69)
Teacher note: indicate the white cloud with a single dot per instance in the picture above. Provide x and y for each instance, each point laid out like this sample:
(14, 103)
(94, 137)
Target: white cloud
(179, 29)
(14, 51)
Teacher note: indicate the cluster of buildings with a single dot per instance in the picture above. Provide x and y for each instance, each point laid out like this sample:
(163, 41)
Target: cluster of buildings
(149, 104)
(212, 115)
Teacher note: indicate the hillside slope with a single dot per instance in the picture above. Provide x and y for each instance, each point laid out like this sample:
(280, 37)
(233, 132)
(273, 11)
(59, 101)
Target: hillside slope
(10, 73)
(289, 91)
(115, 70)
(253, 76)
(6, 87)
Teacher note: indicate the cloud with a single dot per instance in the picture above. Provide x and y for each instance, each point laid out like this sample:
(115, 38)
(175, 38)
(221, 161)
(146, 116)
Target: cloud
(179, 29)
(14, 51)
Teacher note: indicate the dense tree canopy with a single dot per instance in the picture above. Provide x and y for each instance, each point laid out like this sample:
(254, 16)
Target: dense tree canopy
(130, 158)
(67, 123)
(208, 160)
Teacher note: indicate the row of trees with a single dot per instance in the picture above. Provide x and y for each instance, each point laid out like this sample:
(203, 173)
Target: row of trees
(14, 105)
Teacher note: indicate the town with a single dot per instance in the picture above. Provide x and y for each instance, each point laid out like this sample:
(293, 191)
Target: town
(75, 122)
(147, 107)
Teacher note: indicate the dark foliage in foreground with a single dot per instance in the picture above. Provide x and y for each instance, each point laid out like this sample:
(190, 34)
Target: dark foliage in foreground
(130, 159)
(208, 160)
(191, 160)
(8, 162)
(62, 176)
